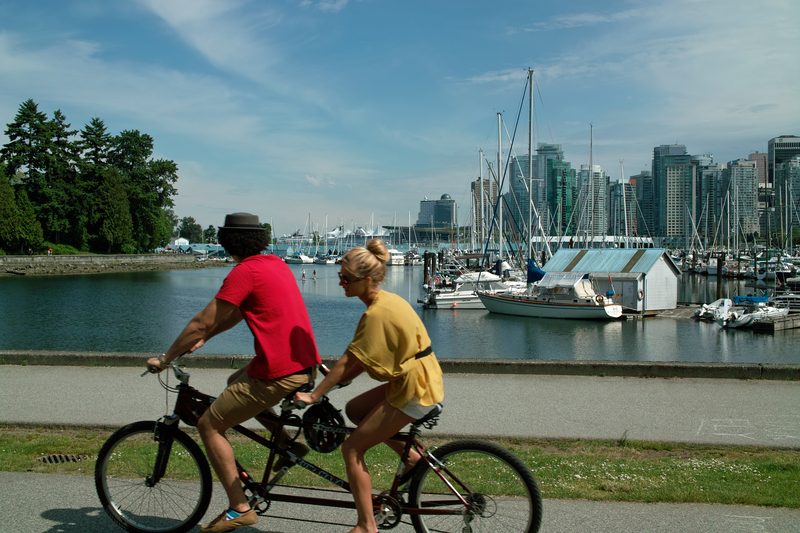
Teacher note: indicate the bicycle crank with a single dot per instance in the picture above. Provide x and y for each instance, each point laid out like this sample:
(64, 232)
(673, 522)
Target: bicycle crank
(388, 513)
(257, 501)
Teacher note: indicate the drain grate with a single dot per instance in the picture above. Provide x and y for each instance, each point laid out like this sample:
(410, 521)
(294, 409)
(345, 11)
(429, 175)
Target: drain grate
(62, 458)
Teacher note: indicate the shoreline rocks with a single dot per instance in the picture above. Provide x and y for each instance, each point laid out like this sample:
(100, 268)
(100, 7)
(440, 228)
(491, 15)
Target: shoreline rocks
(99, 264)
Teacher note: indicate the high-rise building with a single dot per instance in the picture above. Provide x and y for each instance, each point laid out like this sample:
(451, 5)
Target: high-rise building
(739, 199)
(645, 220)
(761, 166)
(561, 194)
(520, 178)
(591, 201)
(780, 149)
(519, 183)
(787, 194)
(674, 193)
(622, 201)
(709, 205)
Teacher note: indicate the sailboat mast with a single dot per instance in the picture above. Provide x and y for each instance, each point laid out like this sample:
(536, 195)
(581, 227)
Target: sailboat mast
(483, 207)
(530, 163)
(624, 204)
(500, 180)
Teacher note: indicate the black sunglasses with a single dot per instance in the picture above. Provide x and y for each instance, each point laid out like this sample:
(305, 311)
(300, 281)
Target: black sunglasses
(346, 282)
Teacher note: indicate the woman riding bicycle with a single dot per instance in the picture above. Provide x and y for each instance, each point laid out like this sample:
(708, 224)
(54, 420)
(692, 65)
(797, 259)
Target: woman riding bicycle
(391, 345)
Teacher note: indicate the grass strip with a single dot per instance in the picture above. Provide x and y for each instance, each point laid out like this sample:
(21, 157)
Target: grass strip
(625, 471)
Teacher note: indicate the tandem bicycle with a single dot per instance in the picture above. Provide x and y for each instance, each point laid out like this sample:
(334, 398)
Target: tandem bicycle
(151, 476)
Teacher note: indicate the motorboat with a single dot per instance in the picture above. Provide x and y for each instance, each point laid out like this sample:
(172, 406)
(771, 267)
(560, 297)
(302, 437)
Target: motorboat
(706, 311)
(325, 260)
(461, 293)
(298, 259)
(556, 295)
(396, 258)
(755, 309)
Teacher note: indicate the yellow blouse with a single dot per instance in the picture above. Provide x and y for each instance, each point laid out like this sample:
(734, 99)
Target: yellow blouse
(388, 336)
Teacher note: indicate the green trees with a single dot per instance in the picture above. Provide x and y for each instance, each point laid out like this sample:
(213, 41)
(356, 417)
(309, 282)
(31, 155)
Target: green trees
(19, 229)
(190, 229)
(210, 234)
(87, 189)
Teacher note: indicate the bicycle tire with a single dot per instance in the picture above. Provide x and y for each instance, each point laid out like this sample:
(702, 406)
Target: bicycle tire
(173, 505)
(502, 486)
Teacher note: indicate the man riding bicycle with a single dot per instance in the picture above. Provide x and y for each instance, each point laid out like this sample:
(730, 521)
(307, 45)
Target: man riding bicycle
(261, 290)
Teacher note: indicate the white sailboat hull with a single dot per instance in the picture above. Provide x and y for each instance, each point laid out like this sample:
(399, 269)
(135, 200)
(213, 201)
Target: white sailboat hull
(529, 306)
(454, 300)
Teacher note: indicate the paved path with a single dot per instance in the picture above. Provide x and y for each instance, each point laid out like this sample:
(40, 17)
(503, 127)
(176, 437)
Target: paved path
(694, 410)
(718, 411)
(69, 504)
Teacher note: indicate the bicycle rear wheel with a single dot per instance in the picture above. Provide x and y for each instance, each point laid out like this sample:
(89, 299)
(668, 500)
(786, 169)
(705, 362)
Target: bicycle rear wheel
(499, 485)
(123, 477)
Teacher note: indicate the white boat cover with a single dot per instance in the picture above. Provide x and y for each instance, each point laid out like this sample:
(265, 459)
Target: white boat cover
(553, 280)
(472, 277)
(558, 281)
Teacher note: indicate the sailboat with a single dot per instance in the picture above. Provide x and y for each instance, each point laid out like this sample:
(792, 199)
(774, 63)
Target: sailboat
(556, 295)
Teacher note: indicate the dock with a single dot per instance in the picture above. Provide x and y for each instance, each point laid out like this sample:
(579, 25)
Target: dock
(790, 321)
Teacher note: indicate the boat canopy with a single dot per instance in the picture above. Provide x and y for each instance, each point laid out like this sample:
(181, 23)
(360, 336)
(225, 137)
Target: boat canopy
(534, 273)
(750, 299)
(562, 282)
(472, 277)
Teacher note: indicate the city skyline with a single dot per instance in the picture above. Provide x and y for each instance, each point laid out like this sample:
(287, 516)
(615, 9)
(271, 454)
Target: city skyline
(357, 110)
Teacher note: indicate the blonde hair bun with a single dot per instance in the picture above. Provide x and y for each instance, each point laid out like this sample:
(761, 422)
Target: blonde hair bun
(378, 249)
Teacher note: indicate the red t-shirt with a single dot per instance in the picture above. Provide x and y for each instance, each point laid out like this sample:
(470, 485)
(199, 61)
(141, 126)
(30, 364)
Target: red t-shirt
(264, 290)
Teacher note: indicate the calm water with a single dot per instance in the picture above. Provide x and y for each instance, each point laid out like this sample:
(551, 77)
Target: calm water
(145, 311)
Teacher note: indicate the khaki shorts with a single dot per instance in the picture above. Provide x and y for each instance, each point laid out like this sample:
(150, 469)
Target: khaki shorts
(248, 396)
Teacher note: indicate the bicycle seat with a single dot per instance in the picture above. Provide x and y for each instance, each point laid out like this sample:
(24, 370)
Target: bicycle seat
(432, 418)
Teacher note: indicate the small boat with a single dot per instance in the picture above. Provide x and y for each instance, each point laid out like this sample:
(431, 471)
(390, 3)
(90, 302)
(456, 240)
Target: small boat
(556, 295)
(325, 260)
(706, 311)
(396, 258)
(298, 259)
(462, 295)
(756, 308)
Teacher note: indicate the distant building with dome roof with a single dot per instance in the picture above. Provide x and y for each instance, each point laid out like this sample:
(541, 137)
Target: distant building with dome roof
(441, 213)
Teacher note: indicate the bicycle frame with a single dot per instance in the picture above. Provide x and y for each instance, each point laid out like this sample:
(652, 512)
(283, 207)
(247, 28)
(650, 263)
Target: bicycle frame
(191, 404)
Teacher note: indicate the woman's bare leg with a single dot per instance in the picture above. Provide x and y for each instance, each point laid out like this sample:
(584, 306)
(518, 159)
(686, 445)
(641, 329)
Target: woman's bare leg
(359, 407)
(382, 422)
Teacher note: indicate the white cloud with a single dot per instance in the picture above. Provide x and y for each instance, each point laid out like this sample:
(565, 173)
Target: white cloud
(332, 5)
(320, 182)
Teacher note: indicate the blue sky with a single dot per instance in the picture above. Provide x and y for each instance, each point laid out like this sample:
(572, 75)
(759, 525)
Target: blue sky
(357, 109)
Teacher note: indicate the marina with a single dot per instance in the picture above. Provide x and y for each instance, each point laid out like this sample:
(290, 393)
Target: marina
(145, 311)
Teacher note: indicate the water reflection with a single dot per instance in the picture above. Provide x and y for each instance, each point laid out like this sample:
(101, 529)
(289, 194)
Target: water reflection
(145, 311)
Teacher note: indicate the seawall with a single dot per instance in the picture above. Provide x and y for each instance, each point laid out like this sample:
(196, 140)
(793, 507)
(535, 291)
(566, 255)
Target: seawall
(82, 264)
(449, 366)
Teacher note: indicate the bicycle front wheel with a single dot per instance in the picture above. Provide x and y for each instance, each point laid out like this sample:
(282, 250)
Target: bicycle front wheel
(501, 489)
(141, 500)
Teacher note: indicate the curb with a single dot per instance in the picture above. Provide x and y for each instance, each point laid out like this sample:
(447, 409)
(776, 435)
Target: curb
(449, 366)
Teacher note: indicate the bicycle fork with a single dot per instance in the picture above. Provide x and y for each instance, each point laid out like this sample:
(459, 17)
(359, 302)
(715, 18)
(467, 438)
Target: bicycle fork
(163, 434)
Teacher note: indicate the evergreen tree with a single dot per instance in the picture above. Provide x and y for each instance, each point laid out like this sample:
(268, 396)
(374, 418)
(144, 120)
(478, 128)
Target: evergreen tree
(25, 135)
(149, 185)
(8, 213)
(210, 234)
(94, 145)
(58, 201)
(190, 229)
(19, 228)
(174, 221)
(268, 227)
(113, 215)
